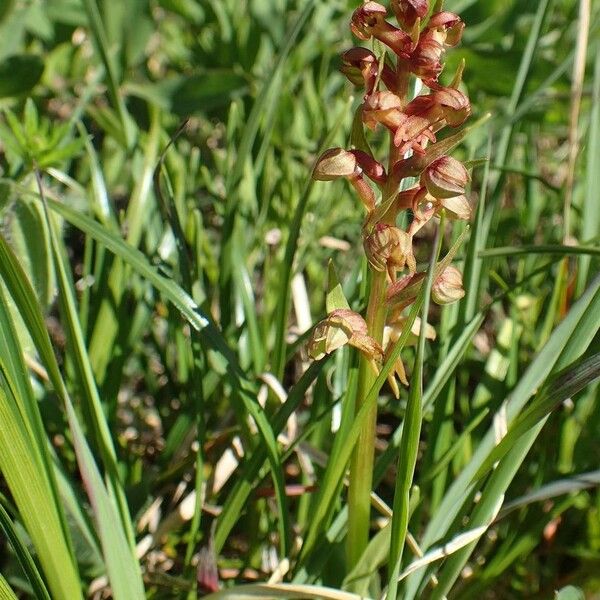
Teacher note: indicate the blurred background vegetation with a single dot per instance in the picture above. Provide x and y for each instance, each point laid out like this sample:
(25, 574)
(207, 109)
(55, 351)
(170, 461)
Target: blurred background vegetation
(91, 94)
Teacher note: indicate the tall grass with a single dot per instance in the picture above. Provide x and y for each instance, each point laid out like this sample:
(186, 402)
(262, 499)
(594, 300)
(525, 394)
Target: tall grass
(162, 431)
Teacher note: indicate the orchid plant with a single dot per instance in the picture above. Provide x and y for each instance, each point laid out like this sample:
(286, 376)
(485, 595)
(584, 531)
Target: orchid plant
(413, 50)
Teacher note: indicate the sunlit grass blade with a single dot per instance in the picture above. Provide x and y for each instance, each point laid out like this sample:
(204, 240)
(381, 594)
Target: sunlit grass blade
(123, 568)
(557, 389)
(521, 78)
(557, 250)
(24, 454)
(23, 556)
(6, 592)
(568, 332)
(291, 591)
(409, 442)
(552, 490)
(101, 41)
(237, 498)
(590, 217)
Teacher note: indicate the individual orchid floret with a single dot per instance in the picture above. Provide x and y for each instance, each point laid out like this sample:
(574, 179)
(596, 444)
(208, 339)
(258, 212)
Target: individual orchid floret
(426, 59)
(448, 287)
(443, 104)
(443, 30)
(409, 11)
(413, 133)
(424, 208)
(368, 21)
(445, 177)
(446, 28)
(361, 67)
(389, 248)
(351, 164)
(383, 108)
(455, 106)
(343, 326)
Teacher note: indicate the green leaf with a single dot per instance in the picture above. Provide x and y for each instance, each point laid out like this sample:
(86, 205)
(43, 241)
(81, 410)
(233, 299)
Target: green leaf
(556, 390)
(23, 556)
(269, 591)
(6, 592)
(19, 74)
(411, 431)
(335, 294)
(122, 567)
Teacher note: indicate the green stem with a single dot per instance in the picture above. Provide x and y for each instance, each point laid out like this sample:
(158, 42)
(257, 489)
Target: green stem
(361, 465)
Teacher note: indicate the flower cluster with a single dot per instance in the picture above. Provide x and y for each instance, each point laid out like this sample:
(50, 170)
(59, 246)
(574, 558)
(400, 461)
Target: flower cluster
(415, 48)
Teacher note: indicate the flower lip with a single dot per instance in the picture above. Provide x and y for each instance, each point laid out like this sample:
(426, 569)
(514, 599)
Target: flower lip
(389, 248)
(448, 26)
(367, 17)
(343, 326)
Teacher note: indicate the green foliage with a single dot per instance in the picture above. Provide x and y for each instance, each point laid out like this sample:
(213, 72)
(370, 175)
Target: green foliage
(155, 394)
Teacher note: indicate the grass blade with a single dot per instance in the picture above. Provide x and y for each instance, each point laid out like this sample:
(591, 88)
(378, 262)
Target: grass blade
(211, 336)
(23, 556)
(567, 332)
(409, 442)
(6, 592)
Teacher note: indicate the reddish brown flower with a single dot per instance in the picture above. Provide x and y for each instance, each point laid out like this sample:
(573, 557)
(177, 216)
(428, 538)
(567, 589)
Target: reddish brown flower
(414, 133)
(454, 104)
(446, 27)
(368, 21)
(443, 30)
(341, 327)
(445, 177)
(351, 164)
(408, 11)
(426, 60)
(389, 248)
(382, 107)
(360, 66)
(447, 288)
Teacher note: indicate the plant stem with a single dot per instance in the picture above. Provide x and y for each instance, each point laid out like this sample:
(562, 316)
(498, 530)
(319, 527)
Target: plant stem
(361, 465)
